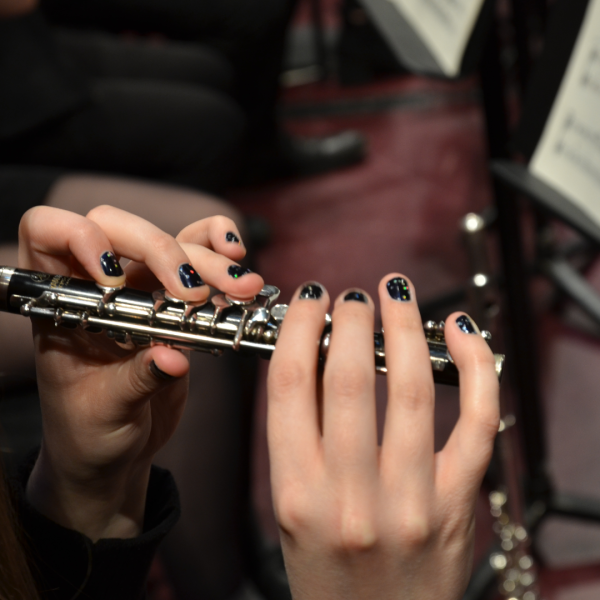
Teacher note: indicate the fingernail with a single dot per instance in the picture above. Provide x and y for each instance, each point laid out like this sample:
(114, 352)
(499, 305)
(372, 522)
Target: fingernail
(398, 289)
(110, 265)
(160, 374)
(312, 291)
(356, 297)
(189, 276)
(465, 324)
(231, 237)
(236, 271)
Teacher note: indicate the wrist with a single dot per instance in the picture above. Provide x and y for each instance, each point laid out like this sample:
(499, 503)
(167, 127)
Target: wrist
(97, 504)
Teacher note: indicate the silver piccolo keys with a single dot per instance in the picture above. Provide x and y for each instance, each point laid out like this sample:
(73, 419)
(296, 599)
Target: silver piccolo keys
(136, 318)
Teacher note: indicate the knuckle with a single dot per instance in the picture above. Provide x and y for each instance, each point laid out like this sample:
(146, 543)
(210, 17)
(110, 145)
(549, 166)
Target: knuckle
(348, 381)
(412, 396)
(415, 530)
(292, 510)
(357, 532)
(29, 219)
(221, 222)
(162, 243)
(141, 386)
(286, 377)
(99, 212)
(484, 361)
(488, 421)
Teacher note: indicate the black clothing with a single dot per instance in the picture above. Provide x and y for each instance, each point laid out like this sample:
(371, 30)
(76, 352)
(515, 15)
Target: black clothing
(37, 85)
(250, 34)
(111, 105)
(66, 561)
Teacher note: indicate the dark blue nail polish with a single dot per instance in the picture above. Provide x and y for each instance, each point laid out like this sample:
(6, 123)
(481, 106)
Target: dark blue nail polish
(160, 374)
(110, 265)
(231, 237)
(311, 291)
(236, 271)
(398, 289)
(465, 324)
(356, 297)
(189, 276)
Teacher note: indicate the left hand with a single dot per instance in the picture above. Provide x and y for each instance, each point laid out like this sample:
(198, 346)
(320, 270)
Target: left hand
(107, 411)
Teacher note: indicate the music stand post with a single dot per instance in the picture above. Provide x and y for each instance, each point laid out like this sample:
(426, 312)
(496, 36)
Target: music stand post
(541, 499)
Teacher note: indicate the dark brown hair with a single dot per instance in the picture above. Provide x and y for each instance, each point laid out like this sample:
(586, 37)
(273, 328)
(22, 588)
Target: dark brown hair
(16, 581)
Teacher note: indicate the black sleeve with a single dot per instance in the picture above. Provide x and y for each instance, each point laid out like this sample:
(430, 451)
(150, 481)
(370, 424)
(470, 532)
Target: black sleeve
(66, 563)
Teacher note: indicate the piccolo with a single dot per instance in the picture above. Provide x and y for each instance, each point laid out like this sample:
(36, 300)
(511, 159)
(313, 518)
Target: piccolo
(137, 318)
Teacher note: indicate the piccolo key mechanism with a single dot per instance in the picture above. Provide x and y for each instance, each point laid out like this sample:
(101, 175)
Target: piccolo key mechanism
(137, 318)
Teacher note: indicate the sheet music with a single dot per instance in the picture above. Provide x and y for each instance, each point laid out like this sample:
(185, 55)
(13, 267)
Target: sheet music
(567, 156)
(445, 27)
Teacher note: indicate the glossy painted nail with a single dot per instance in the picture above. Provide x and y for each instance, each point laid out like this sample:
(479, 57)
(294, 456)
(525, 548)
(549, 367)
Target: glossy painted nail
(110, 265)
(465, 324)
(236, 271)
(398, 289)
(189, 276)
(356, 297)
(160, 374)
(231, 237)
(312, 291)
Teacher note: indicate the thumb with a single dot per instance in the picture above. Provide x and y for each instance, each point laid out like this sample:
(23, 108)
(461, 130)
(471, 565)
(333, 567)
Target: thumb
(154, 369)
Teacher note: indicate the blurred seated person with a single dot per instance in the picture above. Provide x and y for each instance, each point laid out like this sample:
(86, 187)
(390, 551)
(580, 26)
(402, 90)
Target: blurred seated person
(356, 519)
(161, 113)
(251, 35)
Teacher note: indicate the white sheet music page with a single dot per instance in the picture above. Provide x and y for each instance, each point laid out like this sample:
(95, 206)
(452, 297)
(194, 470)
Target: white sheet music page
(567, 156)
(445, 27)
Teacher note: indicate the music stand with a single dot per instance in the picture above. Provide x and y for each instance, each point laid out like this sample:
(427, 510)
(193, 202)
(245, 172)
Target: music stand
(512, 178)
(410, 49)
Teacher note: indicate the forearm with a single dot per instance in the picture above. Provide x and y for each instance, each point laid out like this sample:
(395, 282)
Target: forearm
(14, 8)
(106, 506)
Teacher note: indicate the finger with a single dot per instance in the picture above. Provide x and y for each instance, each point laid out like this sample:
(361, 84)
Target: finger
(408, 438)
(149, 372)
(216, 233)
(214, 269)
(228, 277)
(143, 242)
(49, 238)
(469, 448)
(349, 413)
(293, 421)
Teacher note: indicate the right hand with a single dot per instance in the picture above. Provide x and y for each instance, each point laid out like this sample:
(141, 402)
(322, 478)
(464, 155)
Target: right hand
(363, 522)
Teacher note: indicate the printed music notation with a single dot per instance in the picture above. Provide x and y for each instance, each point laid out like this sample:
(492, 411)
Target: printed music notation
(591, 73)
(579, 144)
(447, 11)
(567, 156)
(444, 26)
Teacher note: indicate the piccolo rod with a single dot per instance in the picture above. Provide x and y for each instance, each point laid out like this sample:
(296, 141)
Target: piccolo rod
(137, 318)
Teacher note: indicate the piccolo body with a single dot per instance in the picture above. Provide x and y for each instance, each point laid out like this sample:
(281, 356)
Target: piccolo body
(138, 318)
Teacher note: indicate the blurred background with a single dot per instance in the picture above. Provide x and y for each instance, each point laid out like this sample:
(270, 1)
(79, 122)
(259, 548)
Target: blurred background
(389, 196)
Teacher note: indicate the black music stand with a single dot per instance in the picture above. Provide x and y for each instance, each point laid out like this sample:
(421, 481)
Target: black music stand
(512, 178)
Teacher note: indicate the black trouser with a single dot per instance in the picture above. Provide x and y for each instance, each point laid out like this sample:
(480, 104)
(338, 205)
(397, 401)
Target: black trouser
(250, 33)
(155, 111)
